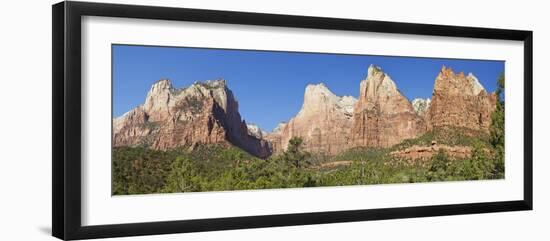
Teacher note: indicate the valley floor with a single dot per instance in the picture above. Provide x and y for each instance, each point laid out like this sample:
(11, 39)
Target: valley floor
(138, 170)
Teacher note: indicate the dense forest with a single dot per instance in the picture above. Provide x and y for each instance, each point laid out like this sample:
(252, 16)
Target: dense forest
(139, 170)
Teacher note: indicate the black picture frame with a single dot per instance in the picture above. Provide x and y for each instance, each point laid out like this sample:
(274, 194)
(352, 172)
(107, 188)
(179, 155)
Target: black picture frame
(66, 127)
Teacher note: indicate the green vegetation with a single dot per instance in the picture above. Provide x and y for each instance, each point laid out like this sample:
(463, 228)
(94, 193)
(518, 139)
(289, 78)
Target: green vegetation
(497, 129)
(139, 170)
(452, 136)
(222, 168)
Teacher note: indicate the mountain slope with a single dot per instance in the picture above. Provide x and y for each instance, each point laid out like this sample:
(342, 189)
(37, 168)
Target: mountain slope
(323, 122)
(203, 113)
(383, 116)
(460, 101)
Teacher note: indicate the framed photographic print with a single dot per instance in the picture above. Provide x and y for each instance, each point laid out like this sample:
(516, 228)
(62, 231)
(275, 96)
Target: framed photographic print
(170, 120)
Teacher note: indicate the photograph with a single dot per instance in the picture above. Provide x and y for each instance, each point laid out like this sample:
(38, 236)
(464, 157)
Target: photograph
(187, 119)
(275, 120)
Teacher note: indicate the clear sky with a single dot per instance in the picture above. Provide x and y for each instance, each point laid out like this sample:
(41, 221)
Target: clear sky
(269, 86)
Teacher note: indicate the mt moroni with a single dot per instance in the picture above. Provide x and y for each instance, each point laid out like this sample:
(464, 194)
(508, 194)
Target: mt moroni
(382, 117)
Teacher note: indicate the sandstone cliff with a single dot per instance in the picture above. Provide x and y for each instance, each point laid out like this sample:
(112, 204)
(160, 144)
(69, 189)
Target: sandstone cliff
(383, 116)
(460, 101)
(274, 138)
(323, 122)
(207, 113)
(203, 113)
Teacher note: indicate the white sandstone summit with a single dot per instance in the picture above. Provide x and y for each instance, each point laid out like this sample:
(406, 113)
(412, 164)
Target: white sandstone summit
(378, 83)
(323, 122)
(383, 116)
(474, 82)
(256, 131)
(318, 97)
(421, 105)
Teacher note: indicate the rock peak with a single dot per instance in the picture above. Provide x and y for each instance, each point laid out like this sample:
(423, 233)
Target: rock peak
(158, 97)
(448, 80)
(373, 69)
(323, 122)
(216, 83)
(317, 89)
(379, 112)
(460, 100)
(162, 84)
(377, 83)
(221, 83)
(255, 130)
(203, 113)
(474, 82)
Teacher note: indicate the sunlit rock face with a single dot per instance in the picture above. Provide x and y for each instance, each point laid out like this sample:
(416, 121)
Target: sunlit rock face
(203, 113)
(421, 106)
(460, 101)
(274, 138)
(383, 116)
(208, 113)
(324, 122)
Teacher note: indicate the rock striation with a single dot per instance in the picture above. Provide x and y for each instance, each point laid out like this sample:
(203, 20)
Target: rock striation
(460, 101)
(203, 113)
(383, 116)
(324, 122)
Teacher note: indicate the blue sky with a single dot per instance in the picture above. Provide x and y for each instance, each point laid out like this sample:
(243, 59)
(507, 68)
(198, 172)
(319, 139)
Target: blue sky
(269, 86)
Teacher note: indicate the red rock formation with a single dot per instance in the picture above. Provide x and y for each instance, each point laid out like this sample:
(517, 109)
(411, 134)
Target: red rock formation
(383, 116)
(460, 101)
(426, 152)
(324, 122)
(275, 139)
(204, 113)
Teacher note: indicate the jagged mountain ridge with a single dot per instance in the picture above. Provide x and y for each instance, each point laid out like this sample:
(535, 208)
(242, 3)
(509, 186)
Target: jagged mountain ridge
(383, 116)
(460, 101)
(207, 113)
(203, 113)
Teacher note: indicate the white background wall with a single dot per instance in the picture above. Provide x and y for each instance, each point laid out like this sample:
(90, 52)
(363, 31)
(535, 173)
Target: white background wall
(25, 120)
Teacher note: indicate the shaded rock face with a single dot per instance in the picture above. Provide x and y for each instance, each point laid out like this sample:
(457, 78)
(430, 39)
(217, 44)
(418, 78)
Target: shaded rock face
(203, 113)
(324, 122)
(383, 116)
(460, 101)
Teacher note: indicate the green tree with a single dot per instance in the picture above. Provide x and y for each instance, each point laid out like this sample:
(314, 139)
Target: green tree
(184, 176)
(294, 154)
(139, 170)
(497, 117)
(480, 165)
(439, 166)
(497, 130)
